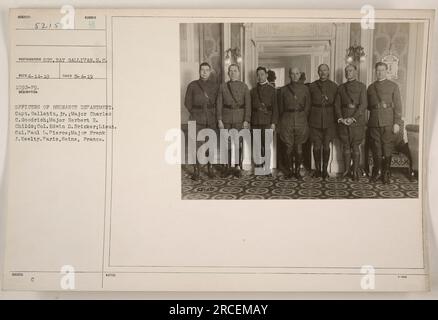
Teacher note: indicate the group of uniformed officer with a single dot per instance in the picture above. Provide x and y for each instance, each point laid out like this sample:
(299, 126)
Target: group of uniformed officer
(319, 111)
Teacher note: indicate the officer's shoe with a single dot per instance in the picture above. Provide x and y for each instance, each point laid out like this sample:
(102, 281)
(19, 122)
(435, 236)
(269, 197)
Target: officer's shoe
(210, 172)
(316, 173)
(196, 173)
(237, 173)
(376, 175)
(324, 174)
(386, 179)
(290, 174)
(298, 174)
(356, 175)
(196, 176)
(346, 173)
(225, 172)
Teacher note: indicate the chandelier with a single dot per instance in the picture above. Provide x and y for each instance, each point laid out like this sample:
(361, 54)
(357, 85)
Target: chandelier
(355, 53)
(232, 55)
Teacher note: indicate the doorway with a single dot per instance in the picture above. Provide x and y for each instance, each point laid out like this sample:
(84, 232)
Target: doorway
(279, 56)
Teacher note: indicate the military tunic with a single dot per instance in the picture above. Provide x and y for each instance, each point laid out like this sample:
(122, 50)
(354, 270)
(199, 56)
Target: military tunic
(264, 111)
(384, 104)
(294, 106)
(234, 104)
(264, 106)
(322, 115)
(200, 101)
(351, 102)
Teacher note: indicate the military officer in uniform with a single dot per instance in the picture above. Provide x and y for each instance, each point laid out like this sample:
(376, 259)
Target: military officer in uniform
(200, 101)
(350, 106)
(234, 110)
(322, 118)
(294, 106)
(384, 104)
(264, 114)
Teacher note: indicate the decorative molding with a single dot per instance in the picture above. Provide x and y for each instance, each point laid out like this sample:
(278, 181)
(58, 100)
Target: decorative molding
(284, 47)
(366, 68)
(191, 56)
(226, 34)
(293, 31)
(211, 49)
(414, 71)
(342, 42)
(201, 42)
(393, 38)
(250, 55)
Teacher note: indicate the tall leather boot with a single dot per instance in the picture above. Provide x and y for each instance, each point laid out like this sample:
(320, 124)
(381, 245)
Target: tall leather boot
(377, 169)
(317, 157)
(298, 162)
(347, 162)
(387, 170)
(290, 165)
(356, 162)
(262, 153)
(210, 172)
(226, 168)
(196, 172)
(325, 161)
(238, 170)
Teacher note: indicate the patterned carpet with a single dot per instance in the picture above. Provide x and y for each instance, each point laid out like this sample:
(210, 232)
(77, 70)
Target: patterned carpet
(268, 187)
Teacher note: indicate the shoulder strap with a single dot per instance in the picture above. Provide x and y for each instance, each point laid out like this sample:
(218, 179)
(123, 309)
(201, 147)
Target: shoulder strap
(202, 89)
(291, 90)
(348, 93)
(259, 94)
(377, 92)
(319, 86)
(231, 91)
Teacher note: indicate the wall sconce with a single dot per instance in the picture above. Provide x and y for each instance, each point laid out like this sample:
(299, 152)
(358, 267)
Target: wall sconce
(232, 55)
(355, 53)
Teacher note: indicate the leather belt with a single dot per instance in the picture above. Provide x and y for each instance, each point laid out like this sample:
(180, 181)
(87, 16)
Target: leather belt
(229, 106)
(322, 106)
(294, 110)
(198, 106)
(378, 106)
(267, 108)
(349, 106)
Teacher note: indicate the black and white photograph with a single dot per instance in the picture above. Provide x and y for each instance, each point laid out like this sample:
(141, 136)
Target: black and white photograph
(118, 118)
(301, 110)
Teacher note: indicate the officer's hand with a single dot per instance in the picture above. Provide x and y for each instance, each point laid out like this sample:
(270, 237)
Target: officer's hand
(273, 126)
(245, 125)
(396, 128)
(220, 124)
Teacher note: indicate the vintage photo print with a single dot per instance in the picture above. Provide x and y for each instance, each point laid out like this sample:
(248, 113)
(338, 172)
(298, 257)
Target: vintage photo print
(117, 123)
(301, 110)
